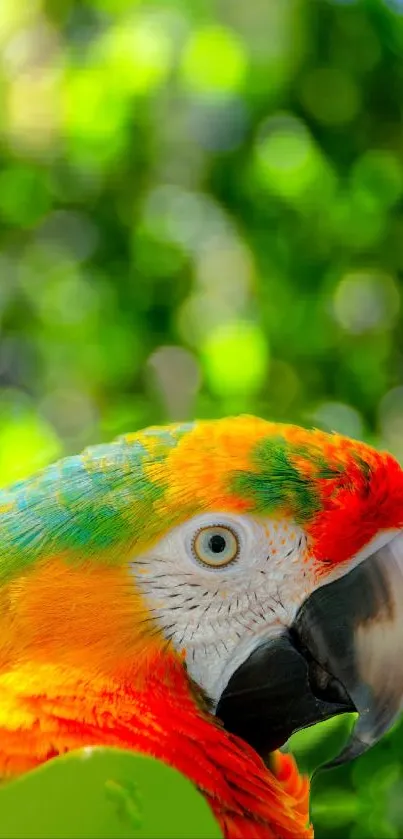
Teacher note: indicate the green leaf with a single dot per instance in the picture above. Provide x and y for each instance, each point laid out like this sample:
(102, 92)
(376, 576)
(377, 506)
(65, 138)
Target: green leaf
(318, 744)
(98, 793)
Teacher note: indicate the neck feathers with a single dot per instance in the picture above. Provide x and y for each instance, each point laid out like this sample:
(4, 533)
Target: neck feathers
(51, 709)
(82, 664)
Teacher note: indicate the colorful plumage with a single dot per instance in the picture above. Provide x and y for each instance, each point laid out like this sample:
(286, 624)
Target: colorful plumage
(117, 628)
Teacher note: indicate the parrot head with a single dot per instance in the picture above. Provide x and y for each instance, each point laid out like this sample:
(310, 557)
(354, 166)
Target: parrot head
(281, 576)
(264, 560)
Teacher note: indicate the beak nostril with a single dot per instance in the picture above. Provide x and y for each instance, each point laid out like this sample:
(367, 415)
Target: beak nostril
(324, 685)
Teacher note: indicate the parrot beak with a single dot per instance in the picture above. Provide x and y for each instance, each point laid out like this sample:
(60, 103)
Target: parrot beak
(343, 653)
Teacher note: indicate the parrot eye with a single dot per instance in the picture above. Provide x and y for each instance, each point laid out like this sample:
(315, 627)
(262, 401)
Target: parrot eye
(215, 546)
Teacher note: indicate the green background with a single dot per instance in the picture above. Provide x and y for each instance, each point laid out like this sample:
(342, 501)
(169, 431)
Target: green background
(201, 214)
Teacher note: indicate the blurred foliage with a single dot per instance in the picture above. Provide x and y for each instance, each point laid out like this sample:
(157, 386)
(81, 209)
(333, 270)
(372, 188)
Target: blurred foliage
(98, 793)
(201, 214)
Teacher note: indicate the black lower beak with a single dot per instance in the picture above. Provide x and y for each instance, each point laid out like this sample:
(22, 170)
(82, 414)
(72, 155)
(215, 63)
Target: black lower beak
(342, 654)
(277, 691)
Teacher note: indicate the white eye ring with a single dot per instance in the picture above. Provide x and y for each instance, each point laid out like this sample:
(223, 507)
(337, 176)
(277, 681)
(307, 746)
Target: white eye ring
(215, 545)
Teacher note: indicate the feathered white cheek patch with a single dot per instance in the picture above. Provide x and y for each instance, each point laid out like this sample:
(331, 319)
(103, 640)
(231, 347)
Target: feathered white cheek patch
(219, 583)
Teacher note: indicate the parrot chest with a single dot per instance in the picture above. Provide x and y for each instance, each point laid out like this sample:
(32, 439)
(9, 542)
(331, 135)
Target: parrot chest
(43, 714)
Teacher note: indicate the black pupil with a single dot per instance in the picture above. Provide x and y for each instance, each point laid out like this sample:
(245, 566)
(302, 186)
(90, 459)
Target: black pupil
(217, 544)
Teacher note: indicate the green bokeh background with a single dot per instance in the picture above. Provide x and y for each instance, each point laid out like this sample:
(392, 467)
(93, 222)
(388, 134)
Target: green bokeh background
(201, 214)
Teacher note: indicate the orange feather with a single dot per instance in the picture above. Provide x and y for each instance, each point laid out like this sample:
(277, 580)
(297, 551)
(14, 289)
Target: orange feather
(93, 670)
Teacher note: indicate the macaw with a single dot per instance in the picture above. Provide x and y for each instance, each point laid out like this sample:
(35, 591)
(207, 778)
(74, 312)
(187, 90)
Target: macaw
(197, 592)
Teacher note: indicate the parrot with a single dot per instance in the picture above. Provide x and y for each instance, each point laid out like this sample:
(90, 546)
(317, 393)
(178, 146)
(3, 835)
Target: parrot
(197, 592)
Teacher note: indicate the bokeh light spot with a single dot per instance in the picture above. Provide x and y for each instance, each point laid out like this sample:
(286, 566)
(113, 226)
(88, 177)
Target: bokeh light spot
(366, 300)
(15, 16)
(336, 416)
(177, 377)
(94, 113)
(236, 358)
(31, 111)
(187, 218)
(390, 413)
(214, 59)
(395, 5)
(73, 233)
(218, 123)
(287, 159)
(27, 443)
(137, 53)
